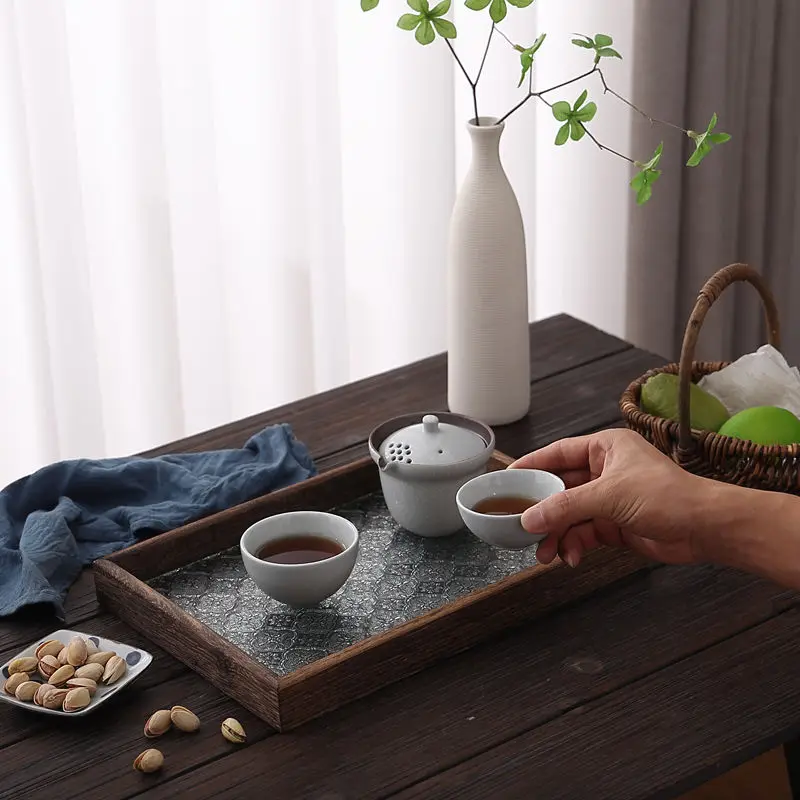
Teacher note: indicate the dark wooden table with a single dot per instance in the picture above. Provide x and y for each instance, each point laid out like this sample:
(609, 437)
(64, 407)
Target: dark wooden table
(644, 690)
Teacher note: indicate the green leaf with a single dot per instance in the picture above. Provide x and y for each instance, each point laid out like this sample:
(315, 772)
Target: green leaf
(520, 3)
(563, 134)
(719, 138)
(713, 123)
(638, 181)
(701, 151)
(419, 5)
(580, 101)
(409, 21)
(441, 9)
(477, 5)
(653, 162)
(562, 110)
(586, 114)
(368, 5)
(581, 43)
(608, 52)
(444, 28)
(537, 44)
(576, 130)
(498, 11)
(425, 33)
(526, 59)
(602, 40)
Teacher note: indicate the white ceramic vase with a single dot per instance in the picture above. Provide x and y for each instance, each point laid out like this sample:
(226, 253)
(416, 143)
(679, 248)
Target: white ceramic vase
(488, 367)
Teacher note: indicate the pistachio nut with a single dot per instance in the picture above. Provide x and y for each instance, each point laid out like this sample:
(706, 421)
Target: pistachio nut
(92, 671)
(62, 656)
(91, 648)
(52, 647)
(62, 675)
(183, 719)
(115, 669)
(26, 690)
(149, 761)
(42, 692)
(47, 666)
(102, 657)
(27, 664)
(75, 699)
(76, 652)
(10, 686)
(54, 699)
(233, 731)
(86, 683)
(158, 724)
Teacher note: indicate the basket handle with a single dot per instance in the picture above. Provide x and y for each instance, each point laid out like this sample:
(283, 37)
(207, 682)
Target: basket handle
(709, 294)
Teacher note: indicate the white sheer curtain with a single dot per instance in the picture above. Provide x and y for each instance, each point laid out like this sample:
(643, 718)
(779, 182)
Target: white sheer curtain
(211, 207)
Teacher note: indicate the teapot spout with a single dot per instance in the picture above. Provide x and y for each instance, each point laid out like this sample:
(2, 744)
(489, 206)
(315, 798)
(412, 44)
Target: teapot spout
(384, 465)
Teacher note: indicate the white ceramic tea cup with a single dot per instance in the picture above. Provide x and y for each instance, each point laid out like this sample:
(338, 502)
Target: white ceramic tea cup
(307, 584)
(506, 530)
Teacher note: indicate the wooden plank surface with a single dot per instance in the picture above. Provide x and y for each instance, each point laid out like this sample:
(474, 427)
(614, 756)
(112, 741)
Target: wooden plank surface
(569, 675)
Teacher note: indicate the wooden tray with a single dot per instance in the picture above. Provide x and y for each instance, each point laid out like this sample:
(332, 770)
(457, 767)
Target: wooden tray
(287, 698)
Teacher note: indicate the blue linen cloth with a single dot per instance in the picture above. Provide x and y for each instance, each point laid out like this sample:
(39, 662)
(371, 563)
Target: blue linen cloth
(63, 517)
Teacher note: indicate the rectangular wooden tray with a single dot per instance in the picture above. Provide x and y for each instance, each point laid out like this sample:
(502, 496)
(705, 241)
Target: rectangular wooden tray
(288, 696)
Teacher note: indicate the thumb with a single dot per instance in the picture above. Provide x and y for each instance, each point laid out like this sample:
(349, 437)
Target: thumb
(555, 515)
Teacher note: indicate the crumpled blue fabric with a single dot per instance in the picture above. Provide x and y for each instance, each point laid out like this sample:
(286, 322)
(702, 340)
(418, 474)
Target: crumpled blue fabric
(61, 518)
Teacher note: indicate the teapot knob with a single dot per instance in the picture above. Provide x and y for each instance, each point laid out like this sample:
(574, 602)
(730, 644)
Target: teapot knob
(430, 423)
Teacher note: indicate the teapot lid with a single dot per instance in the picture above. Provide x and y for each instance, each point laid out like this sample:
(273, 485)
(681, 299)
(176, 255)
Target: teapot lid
(433, 442)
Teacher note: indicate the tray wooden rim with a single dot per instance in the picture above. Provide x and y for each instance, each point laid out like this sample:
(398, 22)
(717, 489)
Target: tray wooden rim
(121, 577)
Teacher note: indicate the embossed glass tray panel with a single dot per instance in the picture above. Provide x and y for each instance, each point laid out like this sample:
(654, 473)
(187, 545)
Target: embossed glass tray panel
(409, 602)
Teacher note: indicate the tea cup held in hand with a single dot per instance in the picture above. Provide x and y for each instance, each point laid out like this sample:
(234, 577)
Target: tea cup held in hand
(517, 486)
(308, 582)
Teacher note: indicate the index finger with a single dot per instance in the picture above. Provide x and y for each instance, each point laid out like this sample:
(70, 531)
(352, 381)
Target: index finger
(560, 456)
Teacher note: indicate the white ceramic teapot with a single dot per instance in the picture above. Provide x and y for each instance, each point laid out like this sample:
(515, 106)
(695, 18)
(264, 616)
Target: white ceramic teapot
(423, 461)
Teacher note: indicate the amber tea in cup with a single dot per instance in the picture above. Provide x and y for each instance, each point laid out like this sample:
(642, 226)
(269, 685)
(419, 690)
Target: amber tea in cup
(502, 506)
(300, 549)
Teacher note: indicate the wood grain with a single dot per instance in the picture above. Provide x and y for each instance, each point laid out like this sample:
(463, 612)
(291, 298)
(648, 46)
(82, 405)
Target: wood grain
(459, 708)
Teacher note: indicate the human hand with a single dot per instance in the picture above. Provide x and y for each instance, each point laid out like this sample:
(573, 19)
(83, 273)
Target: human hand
(621, 492)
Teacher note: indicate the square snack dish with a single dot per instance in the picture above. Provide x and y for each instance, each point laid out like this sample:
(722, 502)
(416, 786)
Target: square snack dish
(136, 659)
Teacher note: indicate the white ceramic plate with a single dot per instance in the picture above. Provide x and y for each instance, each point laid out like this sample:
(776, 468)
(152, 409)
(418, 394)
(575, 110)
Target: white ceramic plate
(138, 661)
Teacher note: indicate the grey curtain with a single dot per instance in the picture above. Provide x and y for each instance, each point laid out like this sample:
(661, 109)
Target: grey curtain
(740, 58)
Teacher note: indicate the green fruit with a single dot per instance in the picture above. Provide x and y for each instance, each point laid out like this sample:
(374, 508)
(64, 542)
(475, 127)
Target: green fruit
(660, 398)
(763, 425)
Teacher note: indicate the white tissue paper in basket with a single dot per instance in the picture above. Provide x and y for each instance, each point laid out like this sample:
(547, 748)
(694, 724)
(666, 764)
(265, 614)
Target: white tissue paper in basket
(762, 378)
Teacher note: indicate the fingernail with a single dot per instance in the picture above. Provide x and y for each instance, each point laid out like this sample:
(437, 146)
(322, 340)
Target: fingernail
(533, 520)
(571, 560)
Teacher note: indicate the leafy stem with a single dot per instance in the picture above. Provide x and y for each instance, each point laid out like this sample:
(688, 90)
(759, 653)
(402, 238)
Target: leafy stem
(540, 94)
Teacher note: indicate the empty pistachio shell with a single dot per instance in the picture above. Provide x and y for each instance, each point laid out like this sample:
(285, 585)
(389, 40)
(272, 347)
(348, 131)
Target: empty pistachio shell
(75, 699)
(115, 669)
(102, 657)
(92, 671)
(42, 692)
(27, 664)
(10, 686)
(26, 690)
(62, 656)
(62, 675)
(47, 666)
(149, 761)
(183, 719)
(52, 647)
(233, 731)
(91, 648)
(53, 699)
(86, 683)
(76, 652)
(158, 724)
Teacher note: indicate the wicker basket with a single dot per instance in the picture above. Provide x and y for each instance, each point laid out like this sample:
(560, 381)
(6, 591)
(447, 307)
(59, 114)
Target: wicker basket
(708, 454)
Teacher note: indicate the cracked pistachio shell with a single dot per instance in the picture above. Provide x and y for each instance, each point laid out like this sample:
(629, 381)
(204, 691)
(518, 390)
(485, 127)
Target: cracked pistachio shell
(149, 761)
(43, 691)
(233, 731)
(47, 666)
(115, 669)
(85, 683)
(54, 699)
(92, 671)
(76, 652)
(91, 648)
(62, 656)
(102, 657)
(158, 724)
(184, 720)
(26, 691)
(62, 675)
(27, 664)
(52, 647)
(10, 686)
(75, 699)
